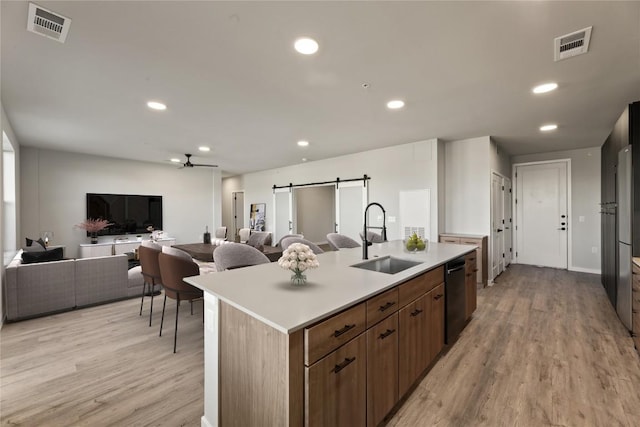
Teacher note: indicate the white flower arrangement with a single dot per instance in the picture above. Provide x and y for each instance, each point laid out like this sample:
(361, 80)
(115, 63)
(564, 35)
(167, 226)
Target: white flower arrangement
(298, 257)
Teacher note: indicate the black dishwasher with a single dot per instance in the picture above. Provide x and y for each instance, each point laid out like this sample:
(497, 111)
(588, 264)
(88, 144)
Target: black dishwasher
(455, 297)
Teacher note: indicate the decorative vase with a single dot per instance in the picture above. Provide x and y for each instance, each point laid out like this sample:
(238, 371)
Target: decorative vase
(298, 278)
(94, 238)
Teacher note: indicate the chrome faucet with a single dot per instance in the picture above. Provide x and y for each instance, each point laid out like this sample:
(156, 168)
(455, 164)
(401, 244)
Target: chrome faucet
(366, 243)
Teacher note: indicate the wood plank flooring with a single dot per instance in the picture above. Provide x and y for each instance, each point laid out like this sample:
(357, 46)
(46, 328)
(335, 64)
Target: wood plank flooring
(544, 348)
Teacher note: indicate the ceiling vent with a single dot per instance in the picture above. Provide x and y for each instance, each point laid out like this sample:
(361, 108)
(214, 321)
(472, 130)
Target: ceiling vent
(572, 44)
(47, 23)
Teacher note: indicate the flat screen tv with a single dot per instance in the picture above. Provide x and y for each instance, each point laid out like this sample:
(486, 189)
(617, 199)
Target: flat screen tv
(129, 213)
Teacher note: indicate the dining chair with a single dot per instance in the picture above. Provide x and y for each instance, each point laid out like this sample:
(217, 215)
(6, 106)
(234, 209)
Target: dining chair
(173, 270)
(279, 244)
(372, 237)
(236, 255)
(221, 233)
(148, 255)
(340, 241)
(291, 240)
(244, 234)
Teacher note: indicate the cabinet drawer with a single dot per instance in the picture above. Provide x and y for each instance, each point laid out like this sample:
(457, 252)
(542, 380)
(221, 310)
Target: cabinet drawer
(326, 336)
(336, 387)
(471, 262)
(469, 241)
(449, 240)
(420, 285)
(381, 306)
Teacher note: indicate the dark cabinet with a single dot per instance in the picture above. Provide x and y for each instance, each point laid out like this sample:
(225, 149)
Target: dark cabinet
(626, 131)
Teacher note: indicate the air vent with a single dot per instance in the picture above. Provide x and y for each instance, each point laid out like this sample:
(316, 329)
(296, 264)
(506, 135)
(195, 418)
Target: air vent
(47, 23)
(572, 44)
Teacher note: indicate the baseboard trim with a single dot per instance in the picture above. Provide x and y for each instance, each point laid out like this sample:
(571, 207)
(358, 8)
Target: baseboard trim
(586, 270)
(204, 422)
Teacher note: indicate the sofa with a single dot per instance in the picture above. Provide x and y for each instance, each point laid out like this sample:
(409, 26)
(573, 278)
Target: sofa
(37, 289)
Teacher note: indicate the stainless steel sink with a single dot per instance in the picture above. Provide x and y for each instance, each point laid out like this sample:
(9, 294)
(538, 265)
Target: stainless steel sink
(387, 264)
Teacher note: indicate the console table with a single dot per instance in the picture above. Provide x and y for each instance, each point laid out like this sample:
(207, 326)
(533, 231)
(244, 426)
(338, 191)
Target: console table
(90, 250)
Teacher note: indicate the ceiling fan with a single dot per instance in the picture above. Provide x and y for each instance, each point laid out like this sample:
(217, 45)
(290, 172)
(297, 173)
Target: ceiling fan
(188, 163)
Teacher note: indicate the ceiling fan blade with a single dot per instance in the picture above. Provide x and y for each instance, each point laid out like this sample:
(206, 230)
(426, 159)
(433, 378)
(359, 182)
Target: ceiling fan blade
(206, 166)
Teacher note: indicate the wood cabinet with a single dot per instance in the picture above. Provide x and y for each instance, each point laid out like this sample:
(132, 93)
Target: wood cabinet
(336, 390)
(436, 321)
(635, 306)
(413, 342)
(382, 369)
(470, 270)
(349, 369)
(482, 275)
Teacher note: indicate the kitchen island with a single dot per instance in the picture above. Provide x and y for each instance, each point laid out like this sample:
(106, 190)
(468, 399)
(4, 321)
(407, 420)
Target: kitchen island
(277, 354)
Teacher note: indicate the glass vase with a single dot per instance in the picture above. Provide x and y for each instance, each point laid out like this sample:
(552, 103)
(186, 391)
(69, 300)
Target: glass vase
(298, 278)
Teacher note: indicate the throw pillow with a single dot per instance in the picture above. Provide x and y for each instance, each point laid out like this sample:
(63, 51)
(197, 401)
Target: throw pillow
(35, 247)
(42, 256)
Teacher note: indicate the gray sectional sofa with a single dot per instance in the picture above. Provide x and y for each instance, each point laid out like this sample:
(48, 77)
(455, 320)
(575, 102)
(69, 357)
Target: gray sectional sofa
(36, 289)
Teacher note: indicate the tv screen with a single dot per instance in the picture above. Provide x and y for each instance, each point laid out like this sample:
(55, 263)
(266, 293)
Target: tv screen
(130, 214)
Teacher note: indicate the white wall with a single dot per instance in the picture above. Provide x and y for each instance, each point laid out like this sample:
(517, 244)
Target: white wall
(5, 127)
(585, 199)
(393, 169)
(468, 186)
(55, 183)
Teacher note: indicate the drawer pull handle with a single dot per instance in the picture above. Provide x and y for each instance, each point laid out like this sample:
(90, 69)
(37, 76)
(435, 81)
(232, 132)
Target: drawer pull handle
(475, 271)
(437, 297)
(386, 334)
(386, 306)
(415, 313)
(339, 367)
(346, 328)
(472, 259)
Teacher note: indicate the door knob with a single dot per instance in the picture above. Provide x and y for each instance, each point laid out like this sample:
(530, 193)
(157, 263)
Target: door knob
(498, 230)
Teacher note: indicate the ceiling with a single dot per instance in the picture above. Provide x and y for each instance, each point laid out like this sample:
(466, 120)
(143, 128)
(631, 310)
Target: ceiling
(232, 80)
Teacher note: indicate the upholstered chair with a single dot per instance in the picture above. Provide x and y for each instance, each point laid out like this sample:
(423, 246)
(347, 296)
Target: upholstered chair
(339, 241)
(148, 254)
(259, 239)
(244, 234)
(236, 255)
(372, 237)
(173, 270)
(221, 233)
(291, 240)
(279, 244)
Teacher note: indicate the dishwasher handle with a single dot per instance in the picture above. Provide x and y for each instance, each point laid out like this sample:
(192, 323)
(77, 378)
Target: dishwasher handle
(455, 269)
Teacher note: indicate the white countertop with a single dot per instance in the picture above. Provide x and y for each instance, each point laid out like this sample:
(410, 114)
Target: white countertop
(266, 293)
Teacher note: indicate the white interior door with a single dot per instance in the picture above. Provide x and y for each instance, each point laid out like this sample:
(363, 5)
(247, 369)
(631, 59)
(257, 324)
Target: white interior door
(508, 223)
(497, 225)
(541, 208)
(351, 201)
(238, 215)
(283, 213)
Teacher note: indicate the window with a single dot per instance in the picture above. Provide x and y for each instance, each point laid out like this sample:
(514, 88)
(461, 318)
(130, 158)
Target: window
(9, 220)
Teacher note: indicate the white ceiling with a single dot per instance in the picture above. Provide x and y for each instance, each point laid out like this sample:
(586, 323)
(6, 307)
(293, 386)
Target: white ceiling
(231, 79)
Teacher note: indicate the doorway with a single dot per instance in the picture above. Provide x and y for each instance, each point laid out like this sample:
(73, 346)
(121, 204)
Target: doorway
(542, 213)
(501, 224)
(238, 214)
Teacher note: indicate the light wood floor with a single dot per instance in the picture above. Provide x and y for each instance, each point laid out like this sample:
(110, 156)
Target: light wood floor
(544, 348)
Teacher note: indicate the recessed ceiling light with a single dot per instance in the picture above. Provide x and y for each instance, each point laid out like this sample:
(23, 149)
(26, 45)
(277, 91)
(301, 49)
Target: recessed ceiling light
(306, 46)
(304, 159)
(174, 160)
(395, 104)
(155, 105)
(544, 88)
(547, 128)
(303, 143)
(203, 148)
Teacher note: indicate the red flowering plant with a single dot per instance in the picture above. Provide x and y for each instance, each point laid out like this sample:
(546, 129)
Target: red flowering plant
(93, 226)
